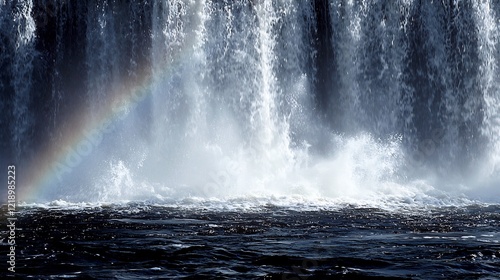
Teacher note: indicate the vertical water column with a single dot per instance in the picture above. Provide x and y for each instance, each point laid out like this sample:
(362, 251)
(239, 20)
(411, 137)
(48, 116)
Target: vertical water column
(463, 97)
(196, 65)
(52, 77)
(295, 71)
(402, 48)
(177, 60)
(24, 33)
(264, 116)
(444, 72)
(370, 45)
(487, 23)
(102, 55)
(4, 76)
(383, 51)
(178, 113)
(56, 9)
(137, 31)
(346, 20)
(428, 74)
(134, 45)
(232, 64)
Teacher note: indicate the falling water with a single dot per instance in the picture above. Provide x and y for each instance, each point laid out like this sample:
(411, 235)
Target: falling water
(18, 54)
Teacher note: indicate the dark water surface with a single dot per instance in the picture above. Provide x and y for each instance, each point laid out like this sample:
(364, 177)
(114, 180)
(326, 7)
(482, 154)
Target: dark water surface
(150, 242)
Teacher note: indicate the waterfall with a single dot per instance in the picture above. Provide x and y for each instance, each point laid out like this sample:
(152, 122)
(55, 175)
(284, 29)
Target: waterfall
(485, 14)
(18, 55)
(370, 43)
(172, 99)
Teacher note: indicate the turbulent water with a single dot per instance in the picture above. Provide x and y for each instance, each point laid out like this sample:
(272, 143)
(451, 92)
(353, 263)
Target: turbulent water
(155, 242)
(253, 138)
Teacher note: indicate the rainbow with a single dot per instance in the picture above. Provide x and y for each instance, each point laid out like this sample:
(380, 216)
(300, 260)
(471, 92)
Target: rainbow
(80, 137)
